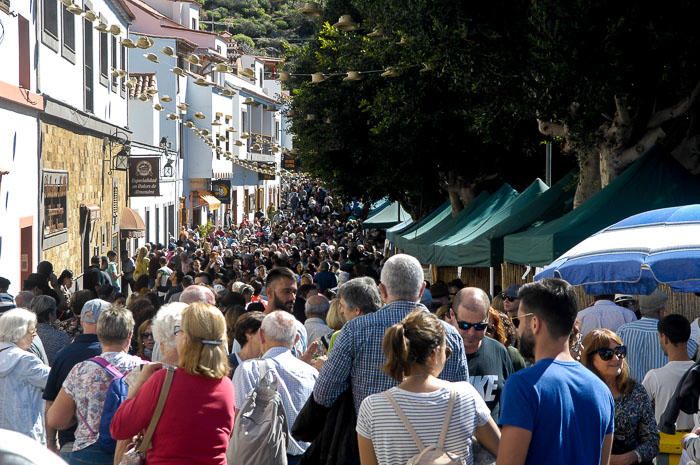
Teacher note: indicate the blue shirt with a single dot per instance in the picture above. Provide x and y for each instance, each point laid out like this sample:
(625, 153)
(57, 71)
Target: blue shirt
(644, 351)
(295, 383)
(568, 409)
(357, 357)
(84, 346)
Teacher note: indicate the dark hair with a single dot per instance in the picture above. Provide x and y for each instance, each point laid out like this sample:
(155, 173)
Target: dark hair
(79, 298)
(141, 282)
(111, 254)
(4, 283)
(256, 307)
(304, 289)
(279, 273)
(675, 327)
(44, 268)
(411, 342)
(202, 274)
(250, 321)
(553, 300)
(187, 280)
(64, 274)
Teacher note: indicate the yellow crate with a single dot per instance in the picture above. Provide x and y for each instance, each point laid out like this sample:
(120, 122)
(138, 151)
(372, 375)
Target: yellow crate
(670, 448)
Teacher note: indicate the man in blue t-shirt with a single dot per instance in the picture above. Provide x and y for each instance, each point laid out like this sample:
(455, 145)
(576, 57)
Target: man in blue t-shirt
(557, 411)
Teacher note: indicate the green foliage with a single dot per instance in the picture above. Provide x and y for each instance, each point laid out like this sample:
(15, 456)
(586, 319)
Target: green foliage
(494, 68)
(275, 20)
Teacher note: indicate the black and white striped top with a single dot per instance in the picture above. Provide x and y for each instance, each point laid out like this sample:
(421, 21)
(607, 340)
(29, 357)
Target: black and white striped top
(393, 444)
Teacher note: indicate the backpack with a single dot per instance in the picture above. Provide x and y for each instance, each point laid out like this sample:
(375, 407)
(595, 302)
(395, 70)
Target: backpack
(260, 430)
(431, 455)
(116, 394)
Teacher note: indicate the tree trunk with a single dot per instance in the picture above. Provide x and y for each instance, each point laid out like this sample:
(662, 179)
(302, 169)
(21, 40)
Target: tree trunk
(455, 184)
(588, 177)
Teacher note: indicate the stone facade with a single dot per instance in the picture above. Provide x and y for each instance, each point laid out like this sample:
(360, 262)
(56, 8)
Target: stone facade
(87, 161)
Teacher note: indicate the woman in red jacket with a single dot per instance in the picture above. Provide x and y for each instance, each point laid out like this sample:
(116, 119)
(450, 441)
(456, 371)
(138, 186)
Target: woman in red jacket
(197, 419)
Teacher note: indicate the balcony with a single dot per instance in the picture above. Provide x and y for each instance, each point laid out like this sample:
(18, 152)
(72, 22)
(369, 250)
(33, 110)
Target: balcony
(259, 148)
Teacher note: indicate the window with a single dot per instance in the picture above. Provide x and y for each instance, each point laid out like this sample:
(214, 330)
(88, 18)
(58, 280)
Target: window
(115, 64)
(122, 91)
(67, 35)
(88, 66)
(49, 21)
(104, 59)
(55, 196)
(5, 5)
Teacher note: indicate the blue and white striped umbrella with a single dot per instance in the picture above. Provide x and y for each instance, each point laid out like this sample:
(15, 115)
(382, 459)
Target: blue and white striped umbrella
(637, 254)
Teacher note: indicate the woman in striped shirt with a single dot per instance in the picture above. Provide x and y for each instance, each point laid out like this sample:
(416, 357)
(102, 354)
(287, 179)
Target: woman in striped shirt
(415, 351)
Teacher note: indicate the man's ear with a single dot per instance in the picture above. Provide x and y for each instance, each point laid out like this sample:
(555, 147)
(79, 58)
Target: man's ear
(536, 325)
(382, 292)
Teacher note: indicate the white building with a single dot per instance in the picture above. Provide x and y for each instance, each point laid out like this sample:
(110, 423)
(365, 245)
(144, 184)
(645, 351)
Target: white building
(20, 105)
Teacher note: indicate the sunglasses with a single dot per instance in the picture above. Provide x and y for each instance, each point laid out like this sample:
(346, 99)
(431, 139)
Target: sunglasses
(465, 326)
(509, 299)
(146, 335)
(516, 319)
(606, 353)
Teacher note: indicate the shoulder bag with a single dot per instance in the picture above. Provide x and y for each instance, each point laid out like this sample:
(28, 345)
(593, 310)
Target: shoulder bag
(136, 455)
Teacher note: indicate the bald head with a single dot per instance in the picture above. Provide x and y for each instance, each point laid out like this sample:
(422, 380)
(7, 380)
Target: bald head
(316, 306)
(472, 299)
(194, 294)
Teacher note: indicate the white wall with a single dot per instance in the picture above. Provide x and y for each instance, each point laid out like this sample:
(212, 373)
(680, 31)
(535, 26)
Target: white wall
(167, 84)
(19, 191)
(109, 104)
(10, 44)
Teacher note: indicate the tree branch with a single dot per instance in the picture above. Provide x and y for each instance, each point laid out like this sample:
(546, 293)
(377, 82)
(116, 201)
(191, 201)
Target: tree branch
(622, 114)
(630, 155)
(680, 108)
(550, 128)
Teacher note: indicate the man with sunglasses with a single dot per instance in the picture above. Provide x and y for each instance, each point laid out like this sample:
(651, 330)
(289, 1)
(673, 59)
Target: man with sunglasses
(488, 360)
(557, 411)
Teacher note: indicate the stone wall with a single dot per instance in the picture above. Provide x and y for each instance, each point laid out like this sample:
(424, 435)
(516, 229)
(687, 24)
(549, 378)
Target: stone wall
(89, 183)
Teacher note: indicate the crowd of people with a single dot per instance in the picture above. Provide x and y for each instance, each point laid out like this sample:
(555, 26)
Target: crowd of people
(355, 357)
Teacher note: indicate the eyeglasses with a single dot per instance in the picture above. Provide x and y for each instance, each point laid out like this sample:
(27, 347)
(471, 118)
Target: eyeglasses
(516, 319)
(147, 335)
(466, 326)
(606, 353)
(177, 330)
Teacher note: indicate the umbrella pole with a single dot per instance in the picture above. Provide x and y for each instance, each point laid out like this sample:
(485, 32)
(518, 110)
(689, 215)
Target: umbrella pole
(491, 279)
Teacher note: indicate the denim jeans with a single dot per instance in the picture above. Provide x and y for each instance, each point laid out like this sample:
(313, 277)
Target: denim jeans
(293, 459)
(91, 455)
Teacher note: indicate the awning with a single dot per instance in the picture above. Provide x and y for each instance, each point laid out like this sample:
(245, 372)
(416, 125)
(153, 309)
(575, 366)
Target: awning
(131, 224)
(390, 215)
(209, 200)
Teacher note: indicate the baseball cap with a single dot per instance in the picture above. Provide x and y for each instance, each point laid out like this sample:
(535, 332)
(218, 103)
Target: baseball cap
(511, 292)
(218, 288)
(91, 310)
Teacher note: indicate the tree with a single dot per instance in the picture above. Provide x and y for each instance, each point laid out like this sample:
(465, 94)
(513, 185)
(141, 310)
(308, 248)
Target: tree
(613, 78)
(451, 120)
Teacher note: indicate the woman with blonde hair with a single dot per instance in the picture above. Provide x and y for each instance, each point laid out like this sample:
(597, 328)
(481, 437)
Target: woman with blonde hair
(422, 405)
(201, 393)
(142, 262)
(636, 438)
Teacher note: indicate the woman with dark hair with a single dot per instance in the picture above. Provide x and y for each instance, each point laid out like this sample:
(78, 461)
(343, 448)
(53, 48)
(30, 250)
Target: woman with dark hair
(437, 411)
(65, 281)
(636, 438)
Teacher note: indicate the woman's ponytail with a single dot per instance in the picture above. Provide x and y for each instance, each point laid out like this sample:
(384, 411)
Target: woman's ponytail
(397, 350)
